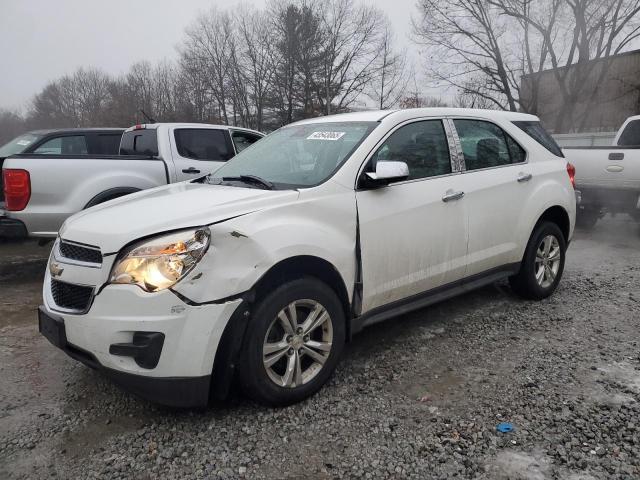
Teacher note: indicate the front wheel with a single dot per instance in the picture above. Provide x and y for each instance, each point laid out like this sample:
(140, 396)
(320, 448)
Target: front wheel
(543, 263)
(293, 342)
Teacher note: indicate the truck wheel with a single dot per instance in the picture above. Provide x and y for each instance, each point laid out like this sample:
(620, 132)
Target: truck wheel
(542, 264)
(293, 342)
(635, 215)
(587, 218)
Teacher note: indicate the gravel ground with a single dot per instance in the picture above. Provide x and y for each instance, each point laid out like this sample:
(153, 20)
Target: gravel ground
(418, 397)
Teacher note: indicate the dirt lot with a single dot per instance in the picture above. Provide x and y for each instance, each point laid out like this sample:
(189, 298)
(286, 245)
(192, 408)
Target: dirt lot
(418, 397)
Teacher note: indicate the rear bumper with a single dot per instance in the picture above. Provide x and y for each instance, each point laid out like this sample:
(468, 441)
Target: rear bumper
(612, 199)
(10, 227)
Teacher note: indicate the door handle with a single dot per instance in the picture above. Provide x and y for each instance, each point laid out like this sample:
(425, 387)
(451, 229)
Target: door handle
(524, 177)
(190, 170)
(450, 195)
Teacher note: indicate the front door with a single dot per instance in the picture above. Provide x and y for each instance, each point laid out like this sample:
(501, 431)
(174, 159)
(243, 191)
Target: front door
(199, 151)
(413, 233)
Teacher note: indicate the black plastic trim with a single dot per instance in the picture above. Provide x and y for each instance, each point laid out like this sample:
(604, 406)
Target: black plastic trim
(12, 228)
(145, 349)
(110, 194)
(430, 297)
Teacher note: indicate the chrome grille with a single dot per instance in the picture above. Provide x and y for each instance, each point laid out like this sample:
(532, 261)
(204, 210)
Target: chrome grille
(71, 297)
(73, 251)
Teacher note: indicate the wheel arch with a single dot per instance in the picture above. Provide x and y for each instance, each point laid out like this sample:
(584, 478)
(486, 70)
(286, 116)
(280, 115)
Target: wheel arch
(110, 194)
(558, 215)
(233, 337)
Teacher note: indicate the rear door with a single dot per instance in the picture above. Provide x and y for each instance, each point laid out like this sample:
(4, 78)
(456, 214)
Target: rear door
(496, 181)
(413, 233)
(199, 151)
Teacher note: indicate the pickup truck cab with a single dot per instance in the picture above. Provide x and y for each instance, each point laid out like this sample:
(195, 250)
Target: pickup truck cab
(608, 178)
(263, 270)
(43, 189)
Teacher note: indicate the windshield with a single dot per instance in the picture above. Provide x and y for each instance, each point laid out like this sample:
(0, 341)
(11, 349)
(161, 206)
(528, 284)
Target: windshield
(18, 145)
(297, 156)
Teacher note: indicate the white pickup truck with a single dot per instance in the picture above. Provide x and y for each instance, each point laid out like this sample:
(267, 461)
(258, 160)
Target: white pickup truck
(608, 178)
(42, 191)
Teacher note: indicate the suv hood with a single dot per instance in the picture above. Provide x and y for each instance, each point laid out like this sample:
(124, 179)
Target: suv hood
(116, 223)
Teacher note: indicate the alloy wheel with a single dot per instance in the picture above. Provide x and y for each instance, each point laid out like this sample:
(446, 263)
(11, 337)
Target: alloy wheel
(548, 258)
(297, 343)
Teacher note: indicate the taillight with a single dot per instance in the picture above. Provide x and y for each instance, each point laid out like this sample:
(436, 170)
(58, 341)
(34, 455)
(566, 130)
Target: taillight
(17, 189)
(571, 170)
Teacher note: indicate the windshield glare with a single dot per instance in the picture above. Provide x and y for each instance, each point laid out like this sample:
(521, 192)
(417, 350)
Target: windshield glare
(300, 155)
(18, 145)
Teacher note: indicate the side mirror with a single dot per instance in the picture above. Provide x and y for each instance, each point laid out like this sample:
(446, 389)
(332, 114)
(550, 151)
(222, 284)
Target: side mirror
(386, 173)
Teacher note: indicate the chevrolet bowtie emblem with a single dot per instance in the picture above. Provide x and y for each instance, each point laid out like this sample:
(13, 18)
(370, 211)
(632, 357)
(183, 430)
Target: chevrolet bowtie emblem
(55, 270)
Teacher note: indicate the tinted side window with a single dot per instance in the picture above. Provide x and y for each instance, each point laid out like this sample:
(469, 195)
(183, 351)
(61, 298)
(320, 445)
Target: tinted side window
(486, 145)
(203, 144)
(72, 145)
(243, 139)
(107, 144)
(631, 134)
(140, 142)
(536, 131)
(421, 145)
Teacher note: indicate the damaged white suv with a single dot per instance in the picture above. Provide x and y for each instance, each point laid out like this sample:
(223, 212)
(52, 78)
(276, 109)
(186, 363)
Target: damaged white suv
(263, 270)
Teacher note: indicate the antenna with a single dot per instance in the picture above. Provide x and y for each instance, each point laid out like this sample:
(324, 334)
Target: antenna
(149, 119)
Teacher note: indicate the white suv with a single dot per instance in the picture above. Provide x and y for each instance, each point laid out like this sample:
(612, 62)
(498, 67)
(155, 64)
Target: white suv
(263, 270)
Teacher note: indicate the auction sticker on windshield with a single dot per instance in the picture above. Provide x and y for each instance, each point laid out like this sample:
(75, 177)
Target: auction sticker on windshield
(332, 136)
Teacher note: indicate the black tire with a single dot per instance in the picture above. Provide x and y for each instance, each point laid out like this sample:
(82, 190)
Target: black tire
(586, 219)
(254, 378)
(525, 282)
(635, 214)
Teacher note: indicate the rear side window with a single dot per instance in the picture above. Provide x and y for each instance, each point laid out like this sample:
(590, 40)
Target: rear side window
(630, 136)
(486, 145)
(536, 131)
(243, 140)
(203, 144)
(140, 142)
(70, 145)
(107, 144)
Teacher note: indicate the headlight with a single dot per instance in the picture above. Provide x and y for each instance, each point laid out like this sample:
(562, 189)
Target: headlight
(161, 262)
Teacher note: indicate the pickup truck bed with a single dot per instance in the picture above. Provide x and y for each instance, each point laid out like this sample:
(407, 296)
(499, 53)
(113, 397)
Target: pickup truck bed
(85, 180)
(608, 178)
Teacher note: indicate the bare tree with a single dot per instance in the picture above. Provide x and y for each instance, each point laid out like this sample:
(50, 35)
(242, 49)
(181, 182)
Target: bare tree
(391, 83)
(207, 52)
(467, 40)
(597, 30)
(354, 34)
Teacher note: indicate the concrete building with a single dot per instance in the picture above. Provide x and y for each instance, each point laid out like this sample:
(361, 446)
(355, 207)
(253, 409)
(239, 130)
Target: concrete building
(600, 94)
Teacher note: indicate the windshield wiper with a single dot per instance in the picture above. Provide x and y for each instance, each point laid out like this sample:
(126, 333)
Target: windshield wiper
(253, 179)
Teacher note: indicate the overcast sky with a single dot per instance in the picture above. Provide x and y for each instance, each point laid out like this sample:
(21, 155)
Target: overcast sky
(41, 40)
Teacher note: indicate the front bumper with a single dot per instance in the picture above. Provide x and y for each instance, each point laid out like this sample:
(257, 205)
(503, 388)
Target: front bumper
(191, 334)
(10, 227)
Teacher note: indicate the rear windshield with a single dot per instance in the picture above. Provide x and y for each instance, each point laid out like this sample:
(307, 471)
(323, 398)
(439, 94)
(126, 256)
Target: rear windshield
(18, 145)
(536, 131)
(140, 142)
(630, 136)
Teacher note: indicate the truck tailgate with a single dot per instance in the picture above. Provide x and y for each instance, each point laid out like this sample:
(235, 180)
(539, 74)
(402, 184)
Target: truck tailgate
(63, 185)
(606, 167)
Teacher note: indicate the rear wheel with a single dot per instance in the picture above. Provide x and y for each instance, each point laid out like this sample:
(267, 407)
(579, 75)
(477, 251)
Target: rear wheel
(293, 343)
(542, 264)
